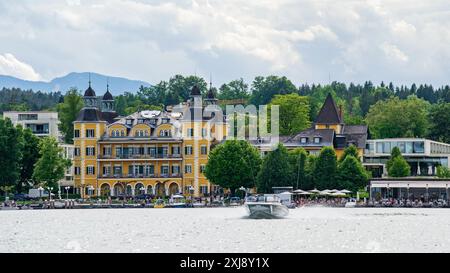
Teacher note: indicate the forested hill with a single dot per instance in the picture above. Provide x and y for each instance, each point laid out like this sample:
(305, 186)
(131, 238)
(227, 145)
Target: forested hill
(117, 85)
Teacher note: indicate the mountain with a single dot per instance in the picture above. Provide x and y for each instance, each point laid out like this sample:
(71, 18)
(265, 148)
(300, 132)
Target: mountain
(117, 85)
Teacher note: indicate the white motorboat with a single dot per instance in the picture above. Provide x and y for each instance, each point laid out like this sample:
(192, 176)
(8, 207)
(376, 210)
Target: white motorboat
(177, 201)
(265, 207)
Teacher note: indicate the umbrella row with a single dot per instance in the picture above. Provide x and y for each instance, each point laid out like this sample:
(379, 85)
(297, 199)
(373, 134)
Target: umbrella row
(324, 192)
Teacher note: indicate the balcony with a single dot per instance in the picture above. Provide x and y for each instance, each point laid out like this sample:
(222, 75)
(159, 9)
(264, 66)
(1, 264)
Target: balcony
(141, 156)
(139, 176)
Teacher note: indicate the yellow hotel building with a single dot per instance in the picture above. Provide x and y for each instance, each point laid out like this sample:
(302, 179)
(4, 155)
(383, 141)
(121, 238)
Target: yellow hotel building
(149, 152)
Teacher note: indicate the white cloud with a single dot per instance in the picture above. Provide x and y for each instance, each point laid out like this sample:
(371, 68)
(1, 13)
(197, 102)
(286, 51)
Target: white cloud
(305, 40)
(10, 66)
(392, 51)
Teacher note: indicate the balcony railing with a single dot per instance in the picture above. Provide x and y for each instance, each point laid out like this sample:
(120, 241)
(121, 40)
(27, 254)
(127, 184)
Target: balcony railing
(140, 156)
(137, 176)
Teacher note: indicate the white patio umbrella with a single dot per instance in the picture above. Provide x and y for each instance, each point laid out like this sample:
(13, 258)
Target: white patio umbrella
(305, 193)
(324, 193)
(286, 192)
(332, 191)
(346, 191)
(314, 191)
(338, 194)
(299, 191)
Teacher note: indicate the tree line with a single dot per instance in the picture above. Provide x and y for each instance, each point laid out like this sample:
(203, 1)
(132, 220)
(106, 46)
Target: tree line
(424, 109)
(27, 161)
(235, 164)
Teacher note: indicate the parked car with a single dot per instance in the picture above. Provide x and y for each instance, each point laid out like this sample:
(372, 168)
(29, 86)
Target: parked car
(21, 197)
(235, 201)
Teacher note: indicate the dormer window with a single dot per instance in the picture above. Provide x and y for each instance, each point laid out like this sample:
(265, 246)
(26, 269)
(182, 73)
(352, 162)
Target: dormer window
(304, 140)
(129, 122)
(317, 140)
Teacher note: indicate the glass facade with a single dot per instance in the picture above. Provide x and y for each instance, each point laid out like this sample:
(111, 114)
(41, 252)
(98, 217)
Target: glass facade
(406, 147)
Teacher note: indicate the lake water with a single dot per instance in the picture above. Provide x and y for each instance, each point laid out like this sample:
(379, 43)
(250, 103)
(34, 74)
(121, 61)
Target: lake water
(225, 230)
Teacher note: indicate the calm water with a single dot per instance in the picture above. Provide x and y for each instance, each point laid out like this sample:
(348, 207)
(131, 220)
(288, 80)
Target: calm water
(225, 230)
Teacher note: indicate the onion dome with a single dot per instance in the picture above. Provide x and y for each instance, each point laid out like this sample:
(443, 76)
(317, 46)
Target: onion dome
(195, 91)
(107, 96)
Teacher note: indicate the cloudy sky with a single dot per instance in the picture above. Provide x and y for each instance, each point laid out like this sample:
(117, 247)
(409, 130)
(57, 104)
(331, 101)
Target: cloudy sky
(403, 41)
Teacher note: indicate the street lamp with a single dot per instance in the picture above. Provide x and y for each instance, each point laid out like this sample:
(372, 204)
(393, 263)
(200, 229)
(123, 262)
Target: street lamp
(40, 189)
(50, 193)
(244, 190)
(91, 190)
(67, 188)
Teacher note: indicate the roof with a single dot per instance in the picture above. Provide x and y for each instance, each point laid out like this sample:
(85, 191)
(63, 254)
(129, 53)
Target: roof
(89, 92)
(109, 116)
(107, 96)
(89, 114)
(210, 94)
(329, 113)
(195, 91)
(356, 135)
(326, 135)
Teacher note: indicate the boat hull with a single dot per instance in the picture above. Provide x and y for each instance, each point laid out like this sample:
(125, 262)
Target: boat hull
(259, 210)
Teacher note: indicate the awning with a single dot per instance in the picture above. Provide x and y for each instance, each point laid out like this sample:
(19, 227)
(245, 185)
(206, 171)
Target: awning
(410, 184)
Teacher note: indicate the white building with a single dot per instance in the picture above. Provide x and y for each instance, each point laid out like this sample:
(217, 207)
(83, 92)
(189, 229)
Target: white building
(423, 155)
(41, 123)
(44, 124)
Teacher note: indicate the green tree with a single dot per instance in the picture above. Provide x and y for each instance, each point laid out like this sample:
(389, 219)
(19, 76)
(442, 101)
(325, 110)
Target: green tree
(440, 122)
(326, 168)
(30, 155)
(399, 167)
(275, 170)
(399, 118)
(351, 174)
(350, 151)
(51, 166)
(236, 89)
(265, 88)
(11, 143)
(233, 164)
(294, 113)
(310, 179)
(443, 172)
(298, 159)
(68, 112)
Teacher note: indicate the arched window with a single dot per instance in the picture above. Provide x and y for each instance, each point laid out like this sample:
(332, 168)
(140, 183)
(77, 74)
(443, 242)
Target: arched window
(122, 133)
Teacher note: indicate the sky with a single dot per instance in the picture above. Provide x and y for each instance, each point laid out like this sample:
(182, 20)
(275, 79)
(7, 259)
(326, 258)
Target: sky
(308, 41)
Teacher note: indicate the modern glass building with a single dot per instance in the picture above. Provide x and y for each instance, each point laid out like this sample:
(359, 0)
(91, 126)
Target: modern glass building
(423, 155)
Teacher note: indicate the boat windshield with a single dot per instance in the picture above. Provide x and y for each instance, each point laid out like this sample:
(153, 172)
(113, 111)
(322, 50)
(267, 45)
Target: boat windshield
(261, 198)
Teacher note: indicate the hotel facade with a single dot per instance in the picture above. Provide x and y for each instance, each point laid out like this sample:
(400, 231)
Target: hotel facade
(160, 153)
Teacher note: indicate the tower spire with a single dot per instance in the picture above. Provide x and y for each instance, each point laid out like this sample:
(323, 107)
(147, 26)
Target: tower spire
(89, 79)
(107, 84)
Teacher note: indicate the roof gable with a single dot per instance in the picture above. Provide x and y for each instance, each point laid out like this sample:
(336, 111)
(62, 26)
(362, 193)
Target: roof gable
(329, 113)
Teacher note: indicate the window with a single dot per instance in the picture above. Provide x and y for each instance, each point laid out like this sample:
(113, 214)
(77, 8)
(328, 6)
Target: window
(149, 170)
(76, 133)
(152, 151)
(90, 170)
(187, 169)
(204, 189)
(76, 152)
(28, 116)
(379, 147)
(190, 132)
(303, 140)
(409, 147)
(90, 133)
(204, 132)
(419, 147)
(175, 169)
(188, 150)
(204, 150)
(129, 122)
(122, 133)
(77, 170)
(165, 170)
(90, 151)
(117, 170)
(175, 150)
(317, 140)
(106, 170)
(106, 150)
(202, 168)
